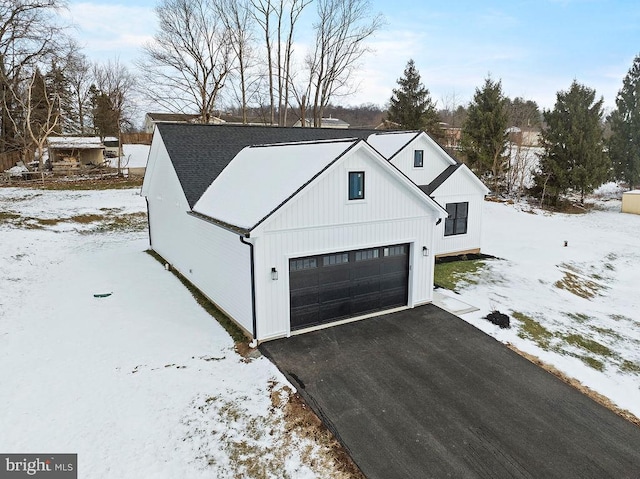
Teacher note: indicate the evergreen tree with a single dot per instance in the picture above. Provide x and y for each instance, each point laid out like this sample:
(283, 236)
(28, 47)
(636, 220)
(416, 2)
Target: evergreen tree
(411, 105)
(105, 115)
(624, 144)
(484, 133)
(573, 154)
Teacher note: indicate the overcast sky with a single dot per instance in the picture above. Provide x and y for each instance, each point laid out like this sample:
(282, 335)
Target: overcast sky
(536, 47)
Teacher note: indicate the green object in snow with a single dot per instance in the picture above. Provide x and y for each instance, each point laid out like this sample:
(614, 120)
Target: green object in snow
(101, 295)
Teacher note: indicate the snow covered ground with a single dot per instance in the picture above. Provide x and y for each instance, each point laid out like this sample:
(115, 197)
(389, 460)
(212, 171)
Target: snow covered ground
(575, 307)
(144, 383)
(141, 384)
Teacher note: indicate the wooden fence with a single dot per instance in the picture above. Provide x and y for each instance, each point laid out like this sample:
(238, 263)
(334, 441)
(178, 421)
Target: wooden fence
(10, 158)
(136, 138)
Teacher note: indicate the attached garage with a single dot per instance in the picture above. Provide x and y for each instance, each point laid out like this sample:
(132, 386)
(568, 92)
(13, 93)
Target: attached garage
(327, 288)
(288, 236)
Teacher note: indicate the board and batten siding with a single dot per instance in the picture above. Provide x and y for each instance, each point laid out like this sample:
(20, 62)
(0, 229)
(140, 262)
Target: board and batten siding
(321, 219)
(460, 187)
(210, 257)
(435, 161)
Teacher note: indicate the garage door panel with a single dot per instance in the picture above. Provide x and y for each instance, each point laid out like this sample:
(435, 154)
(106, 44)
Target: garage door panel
(304, 297)
(304, 279)
(330, 287)
(335, 292)
(365, 269)
(305, 316)
(334, 310)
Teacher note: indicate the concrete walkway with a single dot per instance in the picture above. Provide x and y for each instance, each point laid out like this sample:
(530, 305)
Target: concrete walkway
(421, 393)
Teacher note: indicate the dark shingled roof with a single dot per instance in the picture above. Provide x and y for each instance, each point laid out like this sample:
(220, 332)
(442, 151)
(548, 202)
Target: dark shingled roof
(441, 178)
(200, 152)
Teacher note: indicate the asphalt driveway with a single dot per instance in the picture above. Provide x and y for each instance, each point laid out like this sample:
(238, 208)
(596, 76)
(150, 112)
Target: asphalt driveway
(421, 393)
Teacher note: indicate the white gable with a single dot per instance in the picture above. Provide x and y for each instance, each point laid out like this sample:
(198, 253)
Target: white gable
(388, 144)
(261, 178)
(462, 182)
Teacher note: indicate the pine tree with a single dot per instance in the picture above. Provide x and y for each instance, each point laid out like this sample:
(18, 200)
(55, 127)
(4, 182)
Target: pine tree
(573, 154)
(624, 144)
(411, 105)
(484, 133)
(105, 116)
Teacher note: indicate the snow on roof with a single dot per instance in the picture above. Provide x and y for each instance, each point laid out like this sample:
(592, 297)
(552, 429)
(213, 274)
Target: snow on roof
(388, 144)
(84, 142)
(260, 178)
(632, 192)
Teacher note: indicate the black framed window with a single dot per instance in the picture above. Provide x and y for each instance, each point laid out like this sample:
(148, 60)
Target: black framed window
(418, 158)
(456, 222)
(304, 263)
(356, 185)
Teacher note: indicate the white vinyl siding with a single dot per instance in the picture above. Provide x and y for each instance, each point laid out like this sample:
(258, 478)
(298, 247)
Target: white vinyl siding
(434, 160)
(321, 220)
(459, 188)
(213, 259)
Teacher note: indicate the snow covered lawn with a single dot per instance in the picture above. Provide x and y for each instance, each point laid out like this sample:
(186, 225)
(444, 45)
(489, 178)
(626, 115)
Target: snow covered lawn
(142, 383)
(575, 307)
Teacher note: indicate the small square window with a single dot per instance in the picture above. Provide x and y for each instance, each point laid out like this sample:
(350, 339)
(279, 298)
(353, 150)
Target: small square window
(418, 158)
(356, 185)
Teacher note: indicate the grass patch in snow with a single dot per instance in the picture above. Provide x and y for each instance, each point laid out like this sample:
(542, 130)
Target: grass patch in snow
(6, 216)
(579, 317)
(588, 344)
(630, 367)
(585, 288)
(449, 274)
(533, 330)
(229, 326)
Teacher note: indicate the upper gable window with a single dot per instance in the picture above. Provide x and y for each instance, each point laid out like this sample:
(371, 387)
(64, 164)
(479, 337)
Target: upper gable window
(356, 185)
(418, 158)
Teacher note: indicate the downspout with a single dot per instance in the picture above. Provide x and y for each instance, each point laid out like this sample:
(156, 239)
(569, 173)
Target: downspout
(148, 223)
(254, 342)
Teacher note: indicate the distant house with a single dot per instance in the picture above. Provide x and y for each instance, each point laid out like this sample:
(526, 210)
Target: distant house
(289, 229)
(524, 136)
(152, 119)
(68, 152)
(324, 123)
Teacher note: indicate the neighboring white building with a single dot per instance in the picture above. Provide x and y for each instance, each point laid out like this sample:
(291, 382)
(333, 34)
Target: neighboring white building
(152, 119)
(289, 236)
(449, 182)
(324, 123)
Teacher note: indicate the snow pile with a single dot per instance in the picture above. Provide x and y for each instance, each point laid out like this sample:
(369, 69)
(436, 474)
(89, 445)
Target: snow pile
(143, 383)
(16, 171)
(133, 156)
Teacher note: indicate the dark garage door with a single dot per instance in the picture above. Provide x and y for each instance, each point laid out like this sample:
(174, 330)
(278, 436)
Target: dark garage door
(334, 286)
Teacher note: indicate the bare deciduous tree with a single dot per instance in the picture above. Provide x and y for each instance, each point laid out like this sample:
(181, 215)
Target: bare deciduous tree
(341, 30)
(237, 16)
(48, 106)
(116, 84)
(29, 35)
(79, 75)
(186, 65)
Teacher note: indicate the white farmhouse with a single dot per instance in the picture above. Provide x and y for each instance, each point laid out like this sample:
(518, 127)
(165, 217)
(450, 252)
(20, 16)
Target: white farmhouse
(287, 229)
(450, 183)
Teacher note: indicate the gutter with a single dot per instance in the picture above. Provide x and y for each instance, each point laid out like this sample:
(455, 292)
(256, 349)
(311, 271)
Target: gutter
(254, 342)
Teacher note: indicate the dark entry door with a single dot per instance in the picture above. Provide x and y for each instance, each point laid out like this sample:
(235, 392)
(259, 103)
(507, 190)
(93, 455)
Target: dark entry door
(334, 286)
